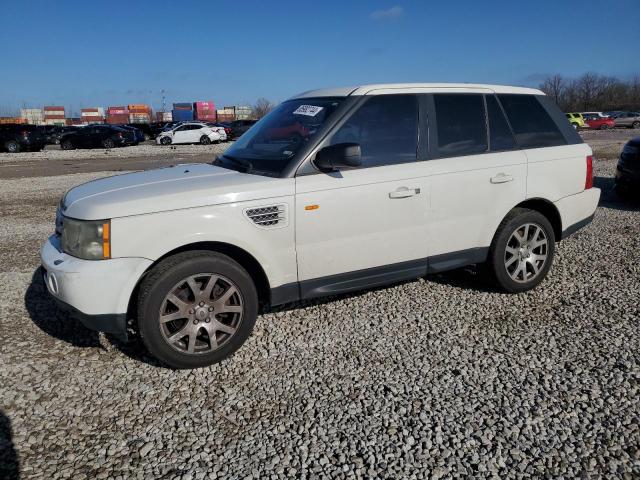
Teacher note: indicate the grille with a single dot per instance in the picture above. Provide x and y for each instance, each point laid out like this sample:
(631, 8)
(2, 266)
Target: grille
(268, 217)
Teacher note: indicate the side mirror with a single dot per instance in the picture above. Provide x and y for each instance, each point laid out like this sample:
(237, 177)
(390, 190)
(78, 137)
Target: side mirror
(341, 155)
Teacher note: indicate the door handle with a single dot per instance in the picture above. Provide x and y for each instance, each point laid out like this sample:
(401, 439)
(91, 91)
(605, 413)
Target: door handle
(501, 178)
(404, 192)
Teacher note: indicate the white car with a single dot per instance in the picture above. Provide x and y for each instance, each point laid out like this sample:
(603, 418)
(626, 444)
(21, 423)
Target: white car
(190, 132)
(335, 190)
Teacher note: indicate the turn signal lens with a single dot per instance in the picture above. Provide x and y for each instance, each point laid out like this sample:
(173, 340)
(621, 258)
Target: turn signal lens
(588, 183)
(106, 240)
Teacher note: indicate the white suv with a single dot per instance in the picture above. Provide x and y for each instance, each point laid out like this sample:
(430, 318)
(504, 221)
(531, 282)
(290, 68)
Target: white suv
(191, 133)
(335, 190)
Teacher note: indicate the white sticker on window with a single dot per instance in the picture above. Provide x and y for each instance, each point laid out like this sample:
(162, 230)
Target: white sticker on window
(308, 110)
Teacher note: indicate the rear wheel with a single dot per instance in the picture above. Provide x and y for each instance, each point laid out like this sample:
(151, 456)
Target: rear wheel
(12, 146)
(604, 126)
(108, 143)
(196, 309)
(635, 125)
(522, 250)
(66, 145)
(146, 137)
(165, 141)
(204, 140)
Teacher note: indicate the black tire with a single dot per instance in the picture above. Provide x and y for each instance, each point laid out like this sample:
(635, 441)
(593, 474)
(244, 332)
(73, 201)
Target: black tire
(624, 192)
(604, 127)
(108, 143)
(66, 145)
(635, 125)
(204, 140)
(146, 137)
(12, 146)
(496, 262)
(160, 282)
(165, 141)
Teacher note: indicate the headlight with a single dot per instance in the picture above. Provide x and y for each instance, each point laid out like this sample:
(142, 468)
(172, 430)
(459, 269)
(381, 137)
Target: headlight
(86, 239)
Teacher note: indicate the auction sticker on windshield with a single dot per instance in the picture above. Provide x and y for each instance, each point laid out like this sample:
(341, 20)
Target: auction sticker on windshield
(308, 110)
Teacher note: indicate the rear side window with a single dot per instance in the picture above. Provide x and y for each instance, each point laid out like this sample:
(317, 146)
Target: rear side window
(532, 125)
(386, 127)
(500, 136)
(460, 123)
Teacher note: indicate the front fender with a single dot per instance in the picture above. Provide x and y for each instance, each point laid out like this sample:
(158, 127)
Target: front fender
(154, 235)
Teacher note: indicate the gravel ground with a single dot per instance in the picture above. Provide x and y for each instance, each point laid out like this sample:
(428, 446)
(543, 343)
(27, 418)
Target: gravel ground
(433, 378)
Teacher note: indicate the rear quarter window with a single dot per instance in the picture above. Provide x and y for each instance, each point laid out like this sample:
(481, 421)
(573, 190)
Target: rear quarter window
(531, 124)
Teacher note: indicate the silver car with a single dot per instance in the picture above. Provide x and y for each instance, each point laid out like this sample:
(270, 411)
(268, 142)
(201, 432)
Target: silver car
(627, 119)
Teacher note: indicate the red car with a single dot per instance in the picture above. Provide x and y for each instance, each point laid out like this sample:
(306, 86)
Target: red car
(599, 123)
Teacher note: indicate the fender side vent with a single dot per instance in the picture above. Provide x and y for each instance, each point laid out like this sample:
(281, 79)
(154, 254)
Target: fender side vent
(268, 217)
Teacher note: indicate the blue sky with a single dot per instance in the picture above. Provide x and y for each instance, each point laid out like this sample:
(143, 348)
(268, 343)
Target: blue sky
(100, 53)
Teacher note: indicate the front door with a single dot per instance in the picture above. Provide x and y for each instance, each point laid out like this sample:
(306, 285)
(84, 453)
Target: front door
(365, 226)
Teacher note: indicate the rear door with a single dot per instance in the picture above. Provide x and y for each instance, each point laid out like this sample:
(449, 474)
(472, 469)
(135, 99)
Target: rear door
(477, 175)
(372, 217)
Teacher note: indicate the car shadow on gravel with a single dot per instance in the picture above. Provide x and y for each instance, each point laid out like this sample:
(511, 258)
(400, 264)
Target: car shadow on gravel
(46, 316)
(9, 461)
(610, 199)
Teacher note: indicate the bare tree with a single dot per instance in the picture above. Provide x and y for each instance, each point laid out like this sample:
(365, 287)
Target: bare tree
(554, 86)
(261, 108)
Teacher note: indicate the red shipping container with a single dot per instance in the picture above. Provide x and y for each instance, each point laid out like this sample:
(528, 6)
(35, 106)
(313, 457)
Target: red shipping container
(117, 119)
(54, 117)
(54, 108)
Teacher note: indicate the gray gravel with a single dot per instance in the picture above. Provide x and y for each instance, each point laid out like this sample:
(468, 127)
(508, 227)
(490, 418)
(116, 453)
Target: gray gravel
(433, 378)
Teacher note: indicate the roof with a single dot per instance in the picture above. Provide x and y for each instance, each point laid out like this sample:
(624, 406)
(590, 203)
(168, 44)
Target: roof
(386, 88)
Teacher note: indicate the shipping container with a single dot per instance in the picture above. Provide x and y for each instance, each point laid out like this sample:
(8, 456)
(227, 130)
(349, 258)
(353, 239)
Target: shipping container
(206, 116)
(225, 118)
(54, 108)
(33, 116)
(95, 119)
(163, 116)
(117, 119)
(204, 106)
(139, 118)
(183, 106)
(183, 115)
(118, 111)
(54, 117)
(4, 120)
(58, 122)
(95, 111)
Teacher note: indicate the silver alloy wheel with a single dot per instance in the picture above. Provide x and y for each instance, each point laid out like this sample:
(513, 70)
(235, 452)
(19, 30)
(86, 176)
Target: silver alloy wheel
(526, 253)
(201, 313)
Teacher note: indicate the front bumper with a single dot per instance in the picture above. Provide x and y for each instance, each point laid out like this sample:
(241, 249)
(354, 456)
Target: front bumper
(96, 291)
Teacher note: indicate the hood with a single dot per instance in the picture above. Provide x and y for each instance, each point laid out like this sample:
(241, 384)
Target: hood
(171, 188)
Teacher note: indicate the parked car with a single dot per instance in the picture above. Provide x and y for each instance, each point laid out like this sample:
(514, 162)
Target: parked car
(627, 181)
(97, 136)
(221, 131)
(138, 135)
(51, 133)
(238, 127)
(597, 122)
(15, 138)
(372, 195)
(594, 114)
(576, 120)
(627, 119)
(156, 128)
(190, 132)
(226, 126)
(145, 128)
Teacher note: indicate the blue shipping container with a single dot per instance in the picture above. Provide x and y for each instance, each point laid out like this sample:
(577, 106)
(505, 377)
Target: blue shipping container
(182, 115)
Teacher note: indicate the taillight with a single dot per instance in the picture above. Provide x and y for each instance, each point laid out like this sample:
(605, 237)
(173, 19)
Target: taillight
(24, 133)
(119, 135)
(588, 183)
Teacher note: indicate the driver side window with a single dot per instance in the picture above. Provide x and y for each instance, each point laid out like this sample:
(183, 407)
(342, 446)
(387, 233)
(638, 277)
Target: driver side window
(386, 127)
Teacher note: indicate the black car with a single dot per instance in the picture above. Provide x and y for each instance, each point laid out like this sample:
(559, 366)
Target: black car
(52, 133)
(238, 127)
(97, 136)
(17, 137)
(627, 182)
(147, 129)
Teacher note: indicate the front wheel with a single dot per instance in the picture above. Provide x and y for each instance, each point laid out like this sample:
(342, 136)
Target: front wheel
(635, 125)
(12, 146)
(196, 309)
(604, 127)
(66, 145)
(165, 141)
(522, 250)
(108, 143)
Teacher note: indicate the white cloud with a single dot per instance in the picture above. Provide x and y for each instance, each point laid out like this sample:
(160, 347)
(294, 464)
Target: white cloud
(393, 12)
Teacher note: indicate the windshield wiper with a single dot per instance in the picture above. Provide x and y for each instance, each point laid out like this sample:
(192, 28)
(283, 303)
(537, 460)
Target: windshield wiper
(246, 164)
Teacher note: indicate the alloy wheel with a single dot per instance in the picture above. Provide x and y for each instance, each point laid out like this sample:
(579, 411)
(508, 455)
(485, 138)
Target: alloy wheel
(201, 313)
(526, 252)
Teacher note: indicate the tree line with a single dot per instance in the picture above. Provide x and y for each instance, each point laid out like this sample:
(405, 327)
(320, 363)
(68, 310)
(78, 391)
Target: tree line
(593, 92)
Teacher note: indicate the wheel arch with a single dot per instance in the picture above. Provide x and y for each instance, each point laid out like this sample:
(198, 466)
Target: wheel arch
(244, 258)
(548, 209)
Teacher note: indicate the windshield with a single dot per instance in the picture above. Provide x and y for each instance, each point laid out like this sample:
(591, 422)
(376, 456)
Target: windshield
(269, 145)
